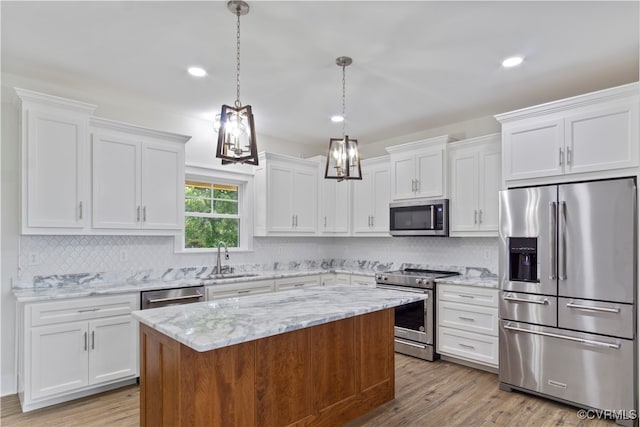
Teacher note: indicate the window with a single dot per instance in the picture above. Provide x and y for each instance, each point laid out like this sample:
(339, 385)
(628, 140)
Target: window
(212, 214)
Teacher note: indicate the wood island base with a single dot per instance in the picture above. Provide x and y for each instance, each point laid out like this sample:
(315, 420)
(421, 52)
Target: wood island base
(323, 375)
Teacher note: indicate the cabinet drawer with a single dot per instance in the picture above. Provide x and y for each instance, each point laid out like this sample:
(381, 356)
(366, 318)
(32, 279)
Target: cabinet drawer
(239, 289)
(538, 309)
(472, 318)
(468, 294)
(48, 313)
(363, 280)
(297, 282)
(469, 346)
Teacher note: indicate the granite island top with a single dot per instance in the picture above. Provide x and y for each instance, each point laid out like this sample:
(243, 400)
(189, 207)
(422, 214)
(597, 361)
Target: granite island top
(209, 325)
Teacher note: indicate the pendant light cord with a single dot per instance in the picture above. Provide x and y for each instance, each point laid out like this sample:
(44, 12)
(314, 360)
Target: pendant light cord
(343, 98)
(238, 104)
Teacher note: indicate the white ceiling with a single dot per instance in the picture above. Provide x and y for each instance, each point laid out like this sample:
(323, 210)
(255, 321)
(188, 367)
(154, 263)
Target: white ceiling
(417, 65)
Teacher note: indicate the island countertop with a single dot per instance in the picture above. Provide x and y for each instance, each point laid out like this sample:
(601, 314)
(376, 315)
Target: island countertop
(215, 324)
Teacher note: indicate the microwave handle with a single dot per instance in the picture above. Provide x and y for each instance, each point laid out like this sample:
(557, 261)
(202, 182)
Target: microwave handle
(433, 218)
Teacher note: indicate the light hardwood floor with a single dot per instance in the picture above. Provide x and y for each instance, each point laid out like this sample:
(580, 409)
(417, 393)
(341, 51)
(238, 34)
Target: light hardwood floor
(428, 394)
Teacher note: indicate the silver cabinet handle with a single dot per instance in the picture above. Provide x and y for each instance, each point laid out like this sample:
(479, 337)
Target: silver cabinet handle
(587, 307)
(479, 216)
(138, 214)
(85, 341)
(297, 285)
(144, 214)
(244, 292)
(413, 185)
(553, 240)
(466, 346)
(417, 185)
(325, 222)
(562, 243)
(93, 340)
(475, 216)
(80, 211)
(564, 337)
(373, 221)
(468, 319)
(561, 161)
(152, 301)
(529, 301)
(466, 296)
(85, 310)
(568, 155)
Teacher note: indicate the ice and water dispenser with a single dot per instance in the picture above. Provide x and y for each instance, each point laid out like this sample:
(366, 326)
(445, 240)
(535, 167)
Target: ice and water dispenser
(523, 259)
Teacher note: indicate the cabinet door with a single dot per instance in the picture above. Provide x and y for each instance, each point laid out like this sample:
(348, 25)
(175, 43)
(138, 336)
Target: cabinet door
(380, 200)
(534, 149)
(341, 212)
(162, 186)
(464, 189)
(305, 200)
(602, 140)
(55, 169)
(327, 205)
(403, 176)
(116, 183)
(362, 202)
(113, 350)
(59, 358)
(280, 201)
(429, 174)
(490, 184)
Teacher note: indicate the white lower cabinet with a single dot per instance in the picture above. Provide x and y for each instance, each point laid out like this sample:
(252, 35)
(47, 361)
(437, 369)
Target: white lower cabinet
(363, 280)
(298, 282)
(467, 323)
(231, 290)
(73, 348)
(335, 279)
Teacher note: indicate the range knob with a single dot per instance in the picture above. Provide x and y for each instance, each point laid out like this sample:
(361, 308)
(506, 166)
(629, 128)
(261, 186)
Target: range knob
(418, 281)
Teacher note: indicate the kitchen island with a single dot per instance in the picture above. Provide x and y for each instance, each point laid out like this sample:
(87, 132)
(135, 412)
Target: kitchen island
(317, 356)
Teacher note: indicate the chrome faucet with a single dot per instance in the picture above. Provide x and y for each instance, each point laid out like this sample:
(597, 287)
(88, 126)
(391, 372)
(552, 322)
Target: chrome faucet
(226, 256)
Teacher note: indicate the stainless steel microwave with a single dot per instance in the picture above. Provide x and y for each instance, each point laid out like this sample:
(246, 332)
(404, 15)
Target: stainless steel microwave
(419, 217)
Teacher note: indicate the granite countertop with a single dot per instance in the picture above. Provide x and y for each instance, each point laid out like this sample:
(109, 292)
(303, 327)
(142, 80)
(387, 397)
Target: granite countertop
(214, 324)
(87, 285)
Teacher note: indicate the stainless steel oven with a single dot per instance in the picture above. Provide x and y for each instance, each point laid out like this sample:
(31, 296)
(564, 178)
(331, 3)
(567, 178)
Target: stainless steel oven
(414, 322)
(175, 296)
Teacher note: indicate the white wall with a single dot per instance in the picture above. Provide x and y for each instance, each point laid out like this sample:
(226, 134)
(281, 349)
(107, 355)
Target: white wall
(74, 254)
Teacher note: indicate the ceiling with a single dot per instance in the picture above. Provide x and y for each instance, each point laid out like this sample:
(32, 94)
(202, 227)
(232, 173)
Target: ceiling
(416, 65)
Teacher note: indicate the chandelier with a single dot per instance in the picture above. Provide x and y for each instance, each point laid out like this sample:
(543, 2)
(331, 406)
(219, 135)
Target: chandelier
(235, 125)
(343, 160)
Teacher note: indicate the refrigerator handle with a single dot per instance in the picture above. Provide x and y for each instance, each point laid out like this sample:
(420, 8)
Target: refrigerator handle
(562, 243)
(553, 240)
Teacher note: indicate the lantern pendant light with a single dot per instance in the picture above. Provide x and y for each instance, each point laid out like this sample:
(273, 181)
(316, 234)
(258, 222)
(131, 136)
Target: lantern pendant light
(343, 160)
(235, 125)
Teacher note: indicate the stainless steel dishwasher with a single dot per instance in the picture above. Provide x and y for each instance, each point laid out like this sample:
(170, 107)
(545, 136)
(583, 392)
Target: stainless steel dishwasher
(175, 296)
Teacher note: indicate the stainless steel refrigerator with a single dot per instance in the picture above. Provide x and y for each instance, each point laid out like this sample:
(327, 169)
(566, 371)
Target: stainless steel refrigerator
(567, 271)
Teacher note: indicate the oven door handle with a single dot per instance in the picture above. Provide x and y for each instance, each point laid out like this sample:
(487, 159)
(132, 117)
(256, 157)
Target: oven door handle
(409, 343)
(404, 289)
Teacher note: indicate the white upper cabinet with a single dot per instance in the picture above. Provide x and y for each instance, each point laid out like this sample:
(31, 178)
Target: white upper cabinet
(285, 195)
(371, 199)
(475, 179)
(418, 169)
(334, 211)
(137, 177)
(584, 137)
(54, 162)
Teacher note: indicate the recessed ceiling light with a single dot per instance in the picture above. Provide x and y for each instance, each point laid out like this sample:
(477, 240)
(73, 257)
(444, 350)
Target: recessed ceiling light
(197, 71)
(337, 119)
(512, 61)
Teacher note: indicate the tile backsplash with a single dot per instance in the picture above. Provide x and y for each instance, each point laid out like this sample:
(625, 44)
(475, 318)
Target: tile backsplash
(55, 255)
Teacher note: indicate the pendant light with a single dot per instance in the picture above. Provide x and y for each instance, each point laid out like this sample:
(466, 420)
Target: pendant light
(343, 160)
(235, 126)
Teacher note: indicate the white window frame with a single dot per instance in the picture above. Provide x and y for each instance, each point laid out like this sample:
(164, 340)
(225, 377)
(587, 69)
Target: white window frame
(244, 182)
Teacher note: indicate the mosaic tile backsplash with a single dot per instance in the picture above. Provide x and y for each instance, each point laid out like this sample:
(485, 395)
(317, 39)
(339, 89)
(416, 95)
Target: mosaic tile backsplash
(63, 255)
